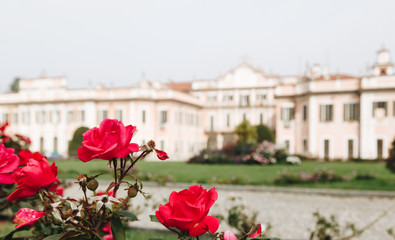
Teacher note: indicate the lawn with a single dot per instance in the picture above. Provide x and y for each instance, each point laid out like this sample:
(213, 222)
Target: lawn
(240, 174)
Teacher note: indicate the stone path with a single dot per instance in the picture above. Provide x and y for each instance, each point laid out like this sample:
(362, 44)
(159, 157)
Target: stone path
(288, 210)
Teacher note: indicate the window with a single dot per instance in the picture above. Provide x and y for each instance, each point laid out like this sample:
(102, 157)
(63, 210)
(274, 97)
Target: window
(211, 123)
(228, 98)
(244, 100)
(42, 145)
(181, 118)
(260, 96)
(118, 114)
(102, 114)
(15, 118)
(261, 118)
(287, 113)
(162, 144)
(81, 116)
(351, 112)
(143, 116)
(228, 120)
(26, 117)
(304, 112)
(55, 116)
(40, 117)
(70, 116)
(379, 105)
(326, 113)
(197, 120)
(379, 148)
(350, 145)
(244, 116)
(4, 117)
(287, 145)
(305, 146)
(212, 98)
(326, 149)
(163, 118)
(55, 145)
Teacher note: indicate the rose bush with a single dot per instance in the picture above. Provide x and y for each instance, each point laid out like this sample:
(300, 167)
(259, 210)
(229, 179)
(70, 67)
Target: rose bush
(187, 211)
(110, 140)
(99, 215)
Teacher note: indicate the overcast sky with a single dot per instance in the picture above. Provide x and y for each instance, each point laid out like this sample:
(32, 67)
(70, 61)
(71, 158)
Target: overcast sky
(115, 42)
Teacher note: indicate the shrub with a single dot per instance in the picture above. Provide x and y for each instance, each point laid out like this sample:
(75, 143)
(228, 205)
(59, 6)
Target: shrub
(391, 159)
(318, 176)
(246, 132)
(264, 133)
(76, 141)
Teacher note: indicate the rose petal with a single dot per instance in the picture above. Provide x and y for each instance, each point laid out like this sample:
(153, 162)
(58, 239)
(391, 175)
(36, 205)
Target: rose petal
(27, 217)
(228, 235)
(209, 223)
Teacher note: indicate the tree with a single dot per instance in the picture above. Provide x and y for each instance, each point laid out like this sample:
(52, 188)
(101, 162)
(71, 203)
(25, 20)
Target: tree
(246, 132)
(264, 133)
(14, 87)
(391, 158)
(76, 141)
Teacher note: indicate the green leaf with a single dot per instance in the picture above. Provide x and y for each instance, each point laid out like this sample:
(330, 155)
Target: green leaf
(25, 205)
(55, 237)
(117, 228)
(128, 215)
(153, 218)
(70, 234)
(9, 235)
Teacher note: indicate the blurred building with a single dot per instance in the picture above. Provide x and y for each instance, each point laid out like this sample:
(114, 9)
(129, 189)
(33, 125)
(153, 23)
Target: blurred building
(329, 116)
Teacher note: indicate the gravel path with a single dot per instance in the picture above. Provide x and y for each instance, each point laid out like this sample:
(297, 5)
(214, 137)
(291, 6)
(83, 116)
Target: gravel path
(288, 210)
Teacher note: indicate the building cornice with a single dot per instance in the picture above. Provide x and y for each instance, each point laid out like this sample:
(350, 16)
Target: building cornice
(99, 101)
(306, 94)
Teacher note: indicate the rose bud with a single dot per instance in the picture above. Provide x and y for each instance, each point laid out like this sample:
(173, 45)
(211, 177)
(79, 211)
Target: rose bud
(132, 192)
(92, 185)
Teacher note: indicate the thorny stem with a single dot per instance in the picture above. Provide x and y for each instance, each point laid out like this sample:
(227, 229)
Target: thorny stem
(143, 154)
(123, 165)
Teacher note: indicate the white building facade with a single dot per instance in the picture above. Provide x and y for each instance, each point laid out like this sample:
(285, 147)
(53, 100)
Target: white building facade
(328, 116)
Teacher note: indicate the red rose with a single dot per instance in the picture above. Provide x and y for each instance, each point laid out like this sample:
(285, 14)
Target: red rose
(26, 155)
(111, 139)
(8, 163)
(27, 217)
(32, 177)
(187, 210)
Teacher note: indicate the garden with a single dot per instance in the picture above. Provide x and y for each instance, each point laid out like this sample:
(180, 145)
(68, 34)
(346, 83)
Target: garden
(32, 190)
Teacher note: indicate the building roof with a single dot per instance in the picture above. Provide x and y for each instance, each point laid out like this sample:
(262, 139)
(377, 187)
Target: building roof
(335, 76)
(180, 86)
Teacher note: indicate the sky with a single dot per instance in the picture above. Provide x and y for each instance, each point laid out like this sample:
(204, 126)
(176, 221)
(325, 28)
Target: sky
(117, 42)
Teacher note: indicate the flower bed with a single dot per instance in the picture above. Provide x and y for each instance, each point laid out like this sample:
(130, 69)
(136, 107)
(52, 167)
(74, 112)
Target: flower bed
(31, 185)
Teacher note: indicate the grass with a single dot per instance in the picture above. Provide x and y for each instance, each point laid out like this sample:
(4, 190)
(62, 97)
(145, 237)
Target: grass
(241, 174)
